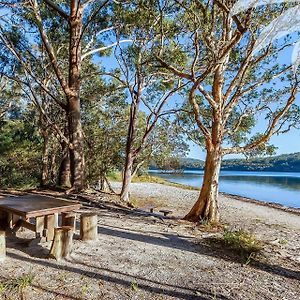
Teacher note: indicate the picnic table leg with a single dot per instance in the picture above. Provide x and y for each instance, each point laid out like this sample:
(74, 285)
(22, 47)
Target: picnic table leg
(49, 226)
(2, 245)
(3, 227)
(10, 220)
(39, 226)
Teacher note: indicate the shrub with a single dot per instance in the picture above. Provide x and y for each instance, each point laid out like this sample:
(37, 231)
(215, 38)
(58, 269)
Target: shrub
(243, 242)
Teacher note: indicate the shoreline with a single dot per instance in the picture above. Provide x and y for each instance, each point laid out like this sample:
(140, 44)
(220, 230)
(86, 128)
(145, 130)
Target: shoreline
(293, 210)
(278, 206)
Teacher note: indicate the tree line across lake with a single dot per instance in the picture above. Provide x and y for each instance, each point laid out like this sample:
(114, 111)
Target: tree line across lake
(90, 87)
(278, 163)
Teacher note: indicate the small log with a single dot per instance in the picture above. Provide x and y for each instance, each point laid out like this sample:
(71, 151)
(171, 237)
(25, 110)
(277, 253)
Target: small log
(88, 227)
(62, 243)
(67, 240)
(56, 250)
(2, 245)
(69, 219)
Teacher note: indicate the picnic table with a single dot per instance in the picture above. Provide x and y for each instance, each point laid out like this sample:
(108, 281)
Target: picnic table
(18, 212)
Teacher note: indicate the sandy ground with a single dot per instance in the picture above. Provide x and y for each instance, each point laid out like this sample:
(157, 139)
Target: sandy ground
(145, 256)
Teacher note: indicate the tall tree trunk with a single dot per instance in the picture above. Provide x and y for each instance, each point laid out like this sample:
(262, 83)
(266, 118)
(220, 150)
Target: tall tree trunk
(77, 164)
(74, 118)
(64, 177)
(206, 207)
(45, 160)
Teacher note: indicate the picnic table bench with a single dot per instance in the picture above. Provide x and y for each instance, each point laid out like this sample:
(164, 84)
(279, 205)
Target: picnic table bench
(166, 212)
(149, 207)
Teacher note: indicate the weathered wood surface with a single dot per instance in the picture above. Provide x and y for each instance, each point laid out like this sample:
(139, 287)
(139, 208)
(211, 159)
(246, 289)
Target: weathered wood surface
(67, 240)
(57, 244)
(35, 205)
(62, 243)
(88, 227)
(49, 227)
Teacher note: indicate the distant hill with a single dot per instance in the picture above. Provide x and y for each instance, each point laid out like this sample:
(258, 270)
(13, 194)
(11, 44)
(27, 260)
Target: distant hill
(191, 163)
(280, 163)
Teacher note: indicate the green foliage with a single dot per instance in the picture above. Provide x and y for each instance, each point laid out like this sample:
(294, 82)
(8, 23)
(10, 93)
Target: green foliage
(245, 243)
(134, 286)
(105, 127)
(20, 154)
(281, 163)
(24, 281)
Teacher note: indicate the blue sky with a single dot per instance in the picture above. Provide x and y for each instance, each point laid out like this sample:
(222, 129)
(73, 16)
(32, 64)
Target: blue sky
(286, 143)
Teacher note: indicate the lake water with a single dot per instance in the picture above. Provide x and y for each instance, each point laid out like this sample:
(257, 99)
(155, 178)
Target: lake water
(277, 187)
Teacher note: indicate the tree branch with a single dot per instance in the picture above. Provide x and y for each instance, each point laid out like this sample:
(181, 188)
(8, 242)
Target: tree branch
(104, 48)
(56, 8)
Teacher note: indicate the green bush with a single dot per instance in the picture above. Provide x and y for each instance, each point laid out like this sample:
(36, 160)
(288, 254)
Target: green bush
(243, 242)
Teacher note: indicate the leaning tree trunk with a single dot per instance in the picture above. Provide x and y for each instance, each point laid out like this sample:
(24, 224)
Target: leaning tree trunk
(206, 207)
(129, 160)
(74, 118)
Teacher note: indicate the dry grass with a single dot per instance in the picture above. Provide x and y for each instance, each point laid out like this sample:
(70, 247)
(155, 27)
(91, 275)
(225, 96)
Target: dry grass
(14, 288)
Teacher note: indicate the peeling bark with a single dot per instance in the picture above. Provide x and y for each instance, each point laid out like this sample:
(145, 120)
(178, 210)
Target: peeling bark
(73, 95)
(206, 207)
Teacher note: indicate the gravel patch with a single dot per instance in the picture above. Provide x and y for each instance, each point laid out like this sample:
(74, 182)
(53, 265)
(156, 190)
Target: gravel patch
(145, 256)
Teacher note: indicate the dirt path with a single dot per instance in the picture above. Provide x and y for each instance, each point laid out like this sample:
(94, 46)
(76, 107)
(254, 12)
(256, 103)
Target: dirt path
(144, 256)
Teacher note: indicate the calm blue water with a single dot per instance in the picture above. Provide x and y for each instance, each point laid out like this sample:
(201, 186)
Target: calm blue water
(277, 187)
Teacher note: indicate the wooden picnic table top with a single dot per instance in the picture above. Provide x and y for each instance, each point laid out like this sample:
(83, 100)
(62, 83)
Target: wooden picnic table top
(36, 205)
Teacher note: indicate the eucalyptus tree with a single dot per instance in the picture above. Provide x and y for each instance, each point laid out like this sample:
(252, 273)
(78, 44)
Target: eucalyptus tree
(230, 86)
(70, 31)
(147, 88)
